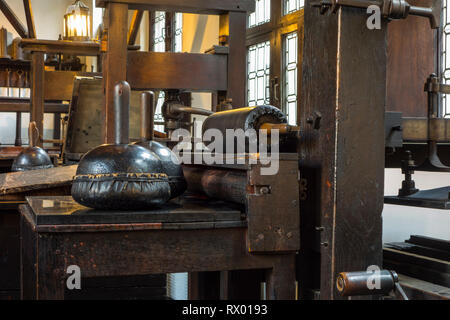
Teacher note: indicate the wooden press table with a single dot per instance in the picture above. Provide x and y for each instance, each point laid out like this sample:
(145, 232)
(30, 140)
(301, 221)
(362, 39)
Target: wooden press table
(186, 235)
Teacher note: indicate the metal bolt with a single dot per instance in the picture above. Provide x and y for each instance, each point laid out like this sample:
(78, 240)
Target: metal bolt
(325, 244)
(320, 229)
(264, 190)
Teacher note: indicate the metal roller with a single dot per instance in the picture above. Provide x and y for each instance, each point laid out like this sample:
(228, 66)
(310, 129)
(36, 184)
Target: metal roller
(260, 117)
(227, 185)
(120, 175)
(170, 164)
(244, 118)
(356, 283)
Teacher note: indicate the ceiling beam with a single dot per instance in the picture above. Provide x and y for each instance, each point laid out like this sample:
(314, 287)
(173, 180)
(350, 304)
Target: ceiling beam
(12, 18)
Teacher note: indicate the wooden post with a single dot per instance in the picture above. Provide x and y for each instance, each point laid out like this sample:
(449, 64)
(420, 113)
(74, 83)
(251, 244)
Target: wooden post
(344, 85)
(18, 141)
(37, 92)
(233, 28)
(115, 62)
(57, 126)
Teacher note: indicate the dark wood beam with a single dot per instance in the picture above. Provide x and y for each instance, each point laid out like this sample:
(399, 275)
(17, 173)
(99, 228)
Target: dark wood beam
(151, 30)
(64, 47)
(134, 26)
(24, 106)
(232, 28)
(191, 6)
(168, 70)
(114, 62)
(344, 87)
(37, 91)
(30, 19)
(12, 18)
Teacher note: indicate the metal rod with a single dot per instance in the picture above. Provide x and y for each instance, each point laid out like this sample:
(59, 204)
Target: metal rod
(147, 115)
(179, 108)
(121, 112)
(33, 134)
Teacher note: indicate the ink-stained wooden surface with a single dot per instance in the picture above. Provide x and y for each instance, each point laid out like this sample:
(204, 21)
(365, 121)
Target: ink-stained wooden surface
(63, 210)
(169, 70)
(344, 80)
(16, 182)
(192, 6)
(411, 59)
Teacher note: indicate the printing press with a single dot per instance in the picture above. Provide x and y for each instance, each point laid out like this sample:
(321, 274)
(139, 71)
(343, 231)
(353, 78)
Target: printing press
(250, 204)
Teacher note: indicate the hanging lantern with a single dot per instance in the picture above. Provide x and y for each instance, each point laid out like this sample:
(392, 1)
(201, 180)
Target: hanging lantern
(77, 25)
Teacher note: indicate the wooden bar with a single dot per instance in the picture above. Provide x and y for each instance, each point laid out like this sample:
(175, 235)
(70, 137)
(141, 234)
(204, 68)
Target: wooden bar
(168, 70)
(24, 106)
(30, 18)
(191, 6)
(13, 19)
(134, 26)
(115, 62)
(232, 27)
(345, 177)
(87, 48)
(37, 92)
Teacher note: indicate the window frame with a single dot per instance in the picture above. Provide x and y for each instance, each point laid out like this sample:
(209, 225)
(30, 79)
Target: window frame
(275, 31)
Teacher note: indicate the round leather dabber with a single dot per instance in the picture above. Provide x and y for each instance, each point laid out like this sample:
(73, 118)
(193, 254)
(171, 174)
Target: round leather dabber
(120, 176)
(33, 157)
(170, 163)
(173, 170)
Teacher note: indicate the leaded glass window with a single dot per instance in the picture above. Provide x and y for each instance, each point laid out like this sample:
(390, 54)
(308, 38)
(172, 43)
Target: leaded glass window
(178, 33)
(261, 14)
(290, 53)
(290, 6)
(159, 39)
(258, 73)
(445, 57)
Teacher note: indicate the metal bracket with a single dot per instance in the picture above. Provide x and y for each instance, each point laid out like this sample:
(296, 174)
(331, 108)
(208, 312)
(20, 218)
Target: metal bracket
(390, 9)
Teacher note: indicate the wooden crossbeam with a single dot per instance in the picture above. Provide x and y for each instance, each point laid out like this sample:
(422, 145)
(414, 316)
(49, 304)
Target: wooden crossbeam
(12, 18)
